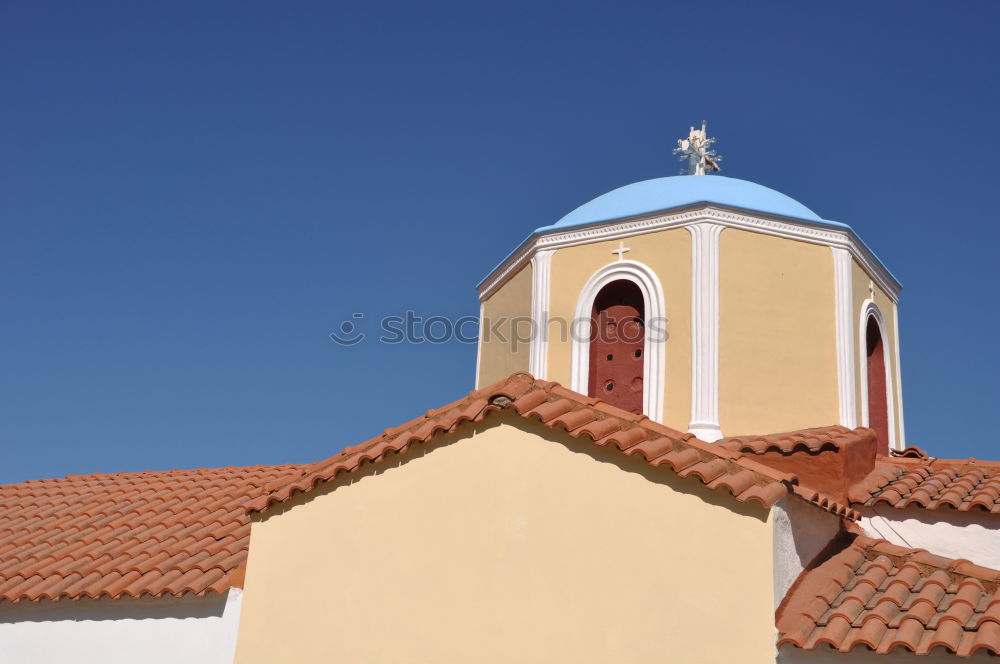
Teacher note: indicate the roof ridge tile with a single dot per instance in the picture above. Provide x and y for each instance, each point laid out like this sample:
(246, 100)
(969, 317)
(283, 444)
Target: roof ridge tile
(554, 406)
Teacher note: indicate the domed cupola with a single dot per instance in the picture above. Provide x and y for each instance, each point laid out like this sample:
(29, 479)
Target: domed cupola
(704, 302)
(682, 191)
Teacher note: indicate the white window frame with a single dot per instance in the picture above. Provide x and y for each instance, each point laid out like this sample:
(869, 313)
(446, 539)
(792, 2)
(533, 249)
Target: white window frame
(654, 353)
(870, 310)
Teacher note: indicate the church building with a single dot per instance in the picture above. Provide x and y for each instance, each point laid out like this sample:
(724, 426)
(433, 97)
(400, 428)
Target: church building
(696, 455)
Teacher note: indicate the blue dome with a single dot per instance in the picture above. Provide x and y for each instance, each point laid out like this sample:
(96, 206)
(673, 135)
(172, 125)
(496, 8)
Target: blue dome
(684, 190)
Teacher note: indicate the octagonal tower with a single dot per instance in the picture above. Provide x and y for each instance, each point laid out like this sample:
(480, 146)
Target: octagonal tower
(707, 303)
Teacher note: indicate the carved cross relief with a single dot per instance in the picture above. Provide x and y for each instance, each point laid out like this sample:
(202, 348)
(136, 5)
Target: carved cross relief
(621, 251)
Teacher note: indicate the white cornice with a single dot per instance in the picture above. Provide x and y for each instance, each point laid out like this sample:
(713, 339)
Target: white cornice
(794, 229)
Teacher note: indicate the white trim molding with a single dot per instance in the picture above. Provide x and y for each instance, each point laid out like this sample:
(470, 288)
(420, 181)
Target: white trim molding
(654, 359)
(870, 310)
(843, 301)
(901, 434)
(541, 269)
(705, 331)
(813, 232)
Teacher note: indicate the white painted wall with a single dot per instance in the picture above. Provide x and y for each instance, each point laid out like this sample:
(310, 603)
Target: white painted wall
(972, 535)
(801, 531)
(167, 630)
(861, 655)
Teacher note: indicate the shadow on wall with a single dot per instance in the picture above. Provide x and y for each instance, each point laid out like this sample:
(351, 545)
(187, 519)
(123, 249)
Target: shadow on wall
(636, 464)
(106, 608)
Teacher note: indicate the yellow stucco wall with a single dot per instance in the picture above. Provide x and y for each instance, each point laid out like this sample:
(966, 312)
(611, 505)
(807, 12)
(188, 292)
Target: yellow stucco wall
(777, 343)
(668, 254)
(506, 348)
(861, 281)
(508, 542)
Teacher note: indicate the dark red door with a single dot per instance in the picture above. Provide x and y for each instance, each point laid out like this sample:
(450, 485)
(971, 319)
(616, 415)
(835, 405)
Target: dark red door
(616, 356)
(878, 410)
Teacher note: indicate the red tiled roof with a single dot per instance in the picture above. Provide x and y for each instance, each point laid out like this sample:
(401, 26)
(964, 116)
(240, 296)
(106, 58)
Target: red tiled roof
(582, 417)
(883, 597)
(150, 533)
(909, 477)
(932, 484)
(806, 440)
(823, 459)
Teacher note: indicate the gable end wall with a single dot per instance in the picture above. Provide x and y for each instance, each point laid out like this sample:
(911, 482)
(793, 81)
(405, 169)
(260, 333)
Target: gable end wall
(509, 542)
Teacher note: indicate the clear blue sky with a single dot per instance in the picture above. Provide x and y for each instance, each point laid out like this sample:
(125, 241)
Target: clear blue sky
(193, 195)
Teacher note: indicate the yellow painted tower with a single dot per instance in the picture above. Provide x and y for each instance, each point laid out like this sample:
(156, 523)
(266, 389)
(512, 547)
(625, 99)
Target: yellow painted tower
(748, 313)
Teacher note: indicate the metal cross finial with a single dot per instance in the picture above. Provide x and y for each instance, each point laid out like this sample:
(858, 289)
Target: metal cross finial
(695, 149)
(621, 251)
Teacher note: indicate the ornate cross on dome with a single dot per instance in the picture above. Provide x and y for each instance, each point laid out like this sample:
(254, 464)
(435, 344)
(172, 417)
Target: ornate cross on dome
(695, 149)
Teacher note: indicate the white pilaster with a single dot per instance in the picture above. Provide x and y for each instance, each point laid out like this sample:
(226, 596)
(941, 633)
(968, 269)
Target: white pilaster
(900, 432)
(538, 356)
(479, 344)
(705, 331)
(843, 295)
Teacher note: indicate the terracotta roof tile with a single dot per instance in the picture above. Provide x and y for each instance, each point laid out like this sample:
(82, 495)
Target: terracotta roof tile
(582, 417)
(912, 452)
(836, 507)
(931, 484)
(874, 594)
(155, 533)
(806, 440)
(179, 532)
(822, 458)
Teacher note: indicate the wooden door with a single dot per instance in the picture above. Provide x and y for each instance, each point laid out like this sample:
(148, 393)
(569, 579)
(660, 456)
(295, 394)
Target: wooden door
(878, 407)
(616, 356)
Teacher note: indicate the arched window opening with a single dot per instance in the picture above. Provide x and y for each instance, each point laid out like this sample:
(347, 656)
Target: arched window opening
(617, 345)
(878, 408)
